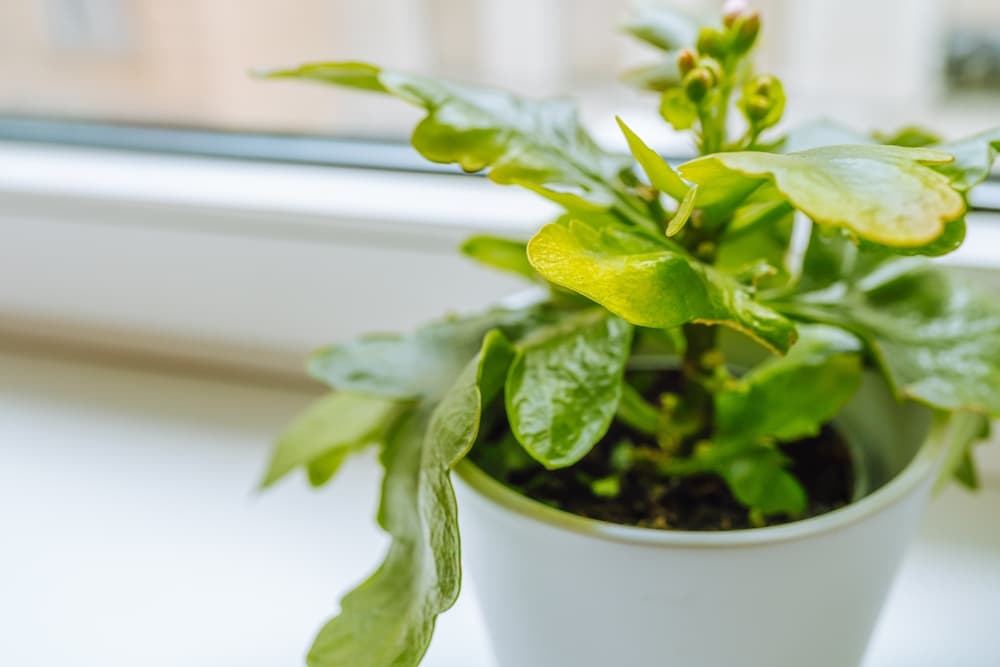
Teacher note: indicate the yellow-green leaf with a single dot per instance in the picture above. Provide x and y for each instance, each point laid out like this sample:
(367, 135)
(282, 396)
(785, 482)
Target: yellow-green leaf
(389, 618)
(885, 194)
(661, 175)
(651, 285)
(332, 428)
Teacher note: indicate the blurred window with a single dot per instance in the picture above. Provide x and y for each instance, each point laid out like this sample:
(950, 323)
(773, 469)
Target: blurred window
(185, 63)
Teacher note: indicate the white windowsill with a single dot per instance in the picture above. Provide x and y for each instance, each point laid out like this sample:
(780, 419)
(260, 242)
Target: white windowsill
(252, 264)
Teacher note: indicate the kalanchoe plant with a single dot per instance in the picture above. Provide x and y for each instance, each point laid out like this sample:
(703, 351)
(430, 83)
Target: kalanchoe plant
(617, 380)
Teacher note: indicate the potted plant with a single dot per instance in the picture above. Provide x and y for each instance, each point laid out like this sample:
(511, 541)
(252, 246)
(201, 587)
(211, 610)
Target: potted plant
(707, 437)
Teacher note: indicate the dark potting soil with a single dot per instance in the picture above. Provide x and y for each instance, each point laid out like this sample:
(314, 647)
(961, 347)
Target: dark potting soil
(822, 464)
(699, 502)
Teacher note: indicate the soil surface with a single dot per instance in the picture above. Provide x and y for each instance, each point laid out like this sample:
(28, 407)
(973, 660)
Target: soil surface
(702, 502)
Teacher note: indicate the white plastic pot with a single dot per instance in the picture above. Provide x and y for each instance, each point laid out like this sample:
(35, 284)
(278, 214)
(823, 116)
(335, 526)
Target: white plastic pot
(559, 590)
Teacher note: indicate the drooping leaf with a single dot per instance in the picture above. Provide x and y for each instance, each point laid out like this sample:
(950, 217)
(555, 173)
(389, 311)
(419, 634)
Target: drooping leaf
(651, 285)
(791, 397)
(935, 338)
(974, 158)
(500, 253)
(885, 194)
(410, 366)
(388, 620)
(662, 27)
(539, 144)
(564, 385)
(331, 429)
(660, 174)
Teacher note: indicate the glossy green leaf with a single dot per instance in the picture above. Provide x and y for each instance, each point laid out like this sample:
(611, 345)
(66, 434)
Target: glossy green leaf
(936, 339)
(540, 144)
(791, 397)
(415, 365)
(651, 285)
(564, 385)
(388, 620)
(662, 27)
(331, 429)
(660, 174)
(500, 253)
(884, 194)
(974, 158)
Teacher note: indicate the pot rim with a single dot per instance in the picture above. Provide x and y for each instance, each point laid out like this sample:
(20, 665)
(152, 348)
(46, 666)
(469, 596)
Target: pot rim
(924, 465)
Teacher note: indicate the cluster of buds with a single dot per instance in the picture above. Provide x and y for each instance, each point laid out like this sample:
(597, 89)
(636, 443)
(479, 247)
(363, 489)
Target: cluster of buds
(701, 68)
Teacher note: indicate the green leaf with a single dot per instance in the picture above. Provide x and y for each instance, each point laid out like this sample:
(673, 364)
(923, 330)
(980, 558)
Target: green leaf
(332, 428)
(634, 411)
(683, 213)
(884, 194)
(661, 175)
(935, 338)
(770, 401)
(410, 366)
(759, 479)
(564, 385)
(662, 27)
(910, 136)
(965, 429)
(500, 253)
(651, 285)
(387, 621)
(679, 111)
(974, 158)
(539, 144)
(348, 74)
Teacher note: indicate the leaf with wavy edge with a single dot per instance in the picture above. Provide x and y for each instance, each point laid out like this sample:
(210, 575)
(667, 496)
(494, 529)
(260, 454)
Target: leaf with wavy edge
(885, 194)
(388, 620)
(539, 144)
(651, 284)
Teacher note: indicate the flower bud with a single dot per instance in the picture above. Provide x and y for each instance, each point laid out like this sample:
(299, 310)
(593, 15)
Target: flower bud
(711, 43)
(756, 108)
(745, 33)
(732, 10)
(763, 101)
(686, 61)
(697, 84)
